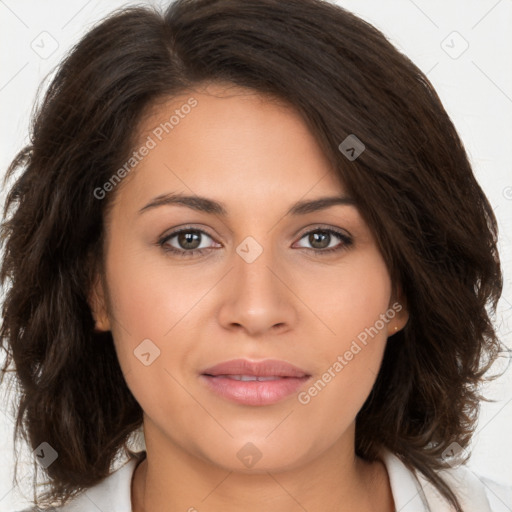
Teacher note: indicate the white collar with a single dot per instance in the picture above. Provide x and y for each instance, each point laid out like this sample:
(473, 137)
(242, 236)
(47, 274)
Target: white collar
(411, 491)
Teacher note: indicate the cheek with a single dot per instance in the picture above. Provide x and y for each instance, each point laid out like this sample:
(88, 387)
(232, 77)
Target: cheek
(150, 329)
(351, 303)
(149, 296)
(148, 306)
(346, 299)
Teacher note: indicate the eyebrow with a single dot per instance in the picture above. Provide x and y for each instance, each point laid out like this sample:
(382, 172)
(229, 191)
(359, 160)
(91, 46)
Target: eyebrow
(205, 205)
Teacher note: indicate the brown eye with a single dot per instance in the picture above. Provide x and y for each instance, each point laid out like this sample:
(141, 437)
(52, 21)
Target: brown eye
(186, 242)
(319, 239)
(325, 241)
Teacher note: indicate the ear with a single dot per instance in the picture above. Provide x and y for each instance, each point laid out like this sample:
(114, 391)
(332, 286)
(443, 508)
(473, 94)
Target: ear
(398, 312)
(98, 305)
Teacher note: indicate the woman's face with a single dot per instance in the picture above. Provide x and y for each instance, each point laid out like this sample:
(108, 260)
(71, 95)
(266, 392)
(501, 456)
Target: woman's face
(267, 285)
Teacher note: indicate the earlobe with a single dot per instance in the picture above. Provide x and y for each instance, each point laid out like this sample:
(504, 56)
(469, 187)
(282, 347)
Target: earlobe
(98, 306)
(401, 312)
(399, 321)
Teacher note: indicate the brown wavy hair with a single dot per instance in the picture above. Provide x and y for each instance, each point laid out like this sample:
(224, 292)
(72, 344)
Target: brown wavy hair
(413, 184)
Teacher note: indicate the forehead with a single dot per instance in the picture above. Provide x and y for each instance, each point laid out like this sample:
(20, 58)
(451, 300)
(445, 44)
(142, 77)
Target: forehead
(229, 141)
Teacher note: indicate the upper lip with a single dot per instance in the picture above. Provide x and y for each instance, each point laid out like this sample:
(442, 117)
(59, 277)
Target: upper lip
(266, 368)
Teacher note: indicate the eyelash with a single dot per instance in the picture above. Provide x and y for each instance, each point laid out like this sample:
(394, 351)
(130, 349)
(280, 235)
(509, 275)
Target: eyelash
(346, 242)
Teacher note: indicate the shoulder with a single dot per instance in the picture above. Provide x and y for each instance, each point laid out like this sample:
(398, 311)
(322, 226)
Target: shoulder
(414, 492)
(475, 492)
(112, 494)
(498, 494)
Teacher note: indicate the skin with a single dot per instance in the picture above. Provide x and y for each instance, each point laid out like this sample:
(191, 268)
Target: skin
(258, 158)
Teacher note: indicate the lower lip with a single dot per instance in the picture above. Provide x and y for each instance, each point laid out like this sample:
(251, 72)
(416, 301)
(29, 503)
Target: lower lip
(254, 392)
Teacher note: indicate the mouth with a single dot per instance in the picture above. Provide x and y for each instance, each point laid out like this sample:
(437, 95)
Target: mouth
(254, 382)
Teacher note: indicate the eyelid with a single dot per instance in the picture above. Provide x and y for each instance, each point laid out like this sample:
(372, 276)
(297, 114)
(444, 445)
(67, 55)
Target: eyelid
(322, 227)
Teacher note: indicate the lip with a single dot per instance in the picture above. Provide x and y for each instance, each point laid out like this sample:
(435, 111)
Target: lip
(265, 368)
(286, 380)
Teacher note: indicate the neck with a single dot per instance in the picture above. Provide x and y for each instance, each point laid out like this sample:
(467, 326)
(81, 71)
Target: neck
(171, 479)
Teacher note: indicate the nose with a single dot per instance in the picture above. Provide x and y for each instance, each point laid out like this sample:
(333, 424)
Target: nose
(257, 297)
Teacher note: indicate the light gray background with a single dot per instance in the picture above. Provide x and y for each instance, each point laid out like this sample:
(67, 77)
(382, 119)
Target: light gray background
(474, 83)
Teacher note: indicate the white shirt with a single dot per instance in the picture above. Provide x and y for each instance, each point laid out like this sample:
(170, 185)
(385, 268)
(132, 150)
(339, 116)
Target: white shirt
(411, 491)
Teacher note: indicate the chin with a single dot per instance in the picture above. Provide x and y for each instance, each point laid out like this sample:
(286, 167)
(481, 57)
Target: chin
(257, 455)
